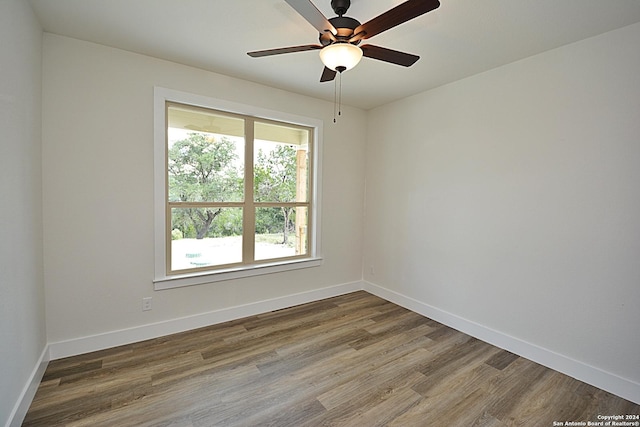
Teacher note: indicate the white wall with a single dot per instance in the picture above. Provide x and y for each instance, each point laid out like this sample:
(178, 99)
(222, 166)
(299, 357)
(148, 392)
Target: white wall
(98, 191)
(511, 199)
(22, 328)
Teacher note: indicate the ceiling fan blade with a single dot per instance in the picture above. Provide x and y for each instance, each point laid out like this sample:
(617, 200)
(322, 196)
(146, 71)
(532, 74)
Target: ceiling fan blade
(327, 75)
(402, 13)
(281, 50)
(313, 16)
(389, 55)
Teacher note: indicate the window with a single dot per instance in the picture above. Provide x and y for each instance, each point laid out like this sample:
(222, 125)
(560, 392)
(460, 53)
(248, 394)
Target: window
(236, 190)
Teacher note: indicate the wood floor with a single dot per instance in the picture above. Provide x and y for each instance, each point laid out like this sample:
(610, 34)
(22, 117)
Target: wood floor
(353, 360)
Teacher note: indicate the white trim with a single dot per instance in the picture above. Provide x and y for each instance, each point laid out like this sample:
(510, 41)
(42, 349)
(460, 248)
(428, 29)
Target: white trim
(607, 381)
(91, 343)
(163, 95)
(234, 273)
(26, 397)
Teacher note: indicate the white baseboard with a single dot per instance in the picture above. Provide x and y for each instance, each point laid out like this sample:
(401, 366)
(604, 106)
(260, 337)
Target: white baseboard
(589, 374)
(58, 350)
(26, 397)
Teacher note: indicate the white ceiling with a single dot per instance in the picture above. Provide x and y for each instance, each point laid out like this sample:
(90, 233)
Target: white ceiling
(459, 39)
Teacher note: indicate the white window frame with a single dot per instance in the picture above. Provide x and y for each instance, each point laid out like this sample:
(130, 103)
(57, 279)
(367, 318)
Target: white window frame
(164, 281)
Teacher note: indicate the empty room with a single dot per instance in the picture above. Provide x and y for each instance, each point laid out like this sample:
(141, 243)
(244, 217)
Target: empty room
(315, 212)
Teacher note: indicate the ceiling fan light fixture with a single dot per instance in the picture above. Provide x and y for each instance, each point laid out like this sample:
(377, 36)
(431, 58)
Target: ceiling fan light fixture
(340, 56)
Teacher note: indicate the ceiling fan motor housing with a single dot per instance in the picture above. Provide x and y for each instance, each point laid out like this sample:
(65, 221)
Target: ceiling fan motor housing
(345, 26)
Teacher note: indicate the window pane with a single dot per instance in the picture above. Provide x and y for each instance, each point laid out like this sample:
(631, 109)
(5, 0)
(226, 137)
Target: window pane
(205, 156)
(281, 163)
(281, 232)
(205, 236)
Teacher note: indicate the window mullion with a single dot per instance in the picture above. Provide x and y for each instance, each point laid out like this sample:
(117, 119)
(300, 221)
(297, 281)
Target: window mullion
(249, 211)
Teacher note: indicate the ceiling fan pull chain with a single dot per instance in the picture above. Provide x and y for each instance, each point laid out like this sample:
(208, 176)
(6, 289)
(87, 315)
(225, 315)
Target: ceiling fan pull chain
(337, 87)
(335, 99)
(340, 95)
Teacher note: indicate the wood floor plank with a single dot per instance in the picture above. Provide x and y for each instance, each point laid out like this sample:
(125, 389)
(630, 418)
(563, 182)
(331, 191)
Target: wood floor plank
(351, 360)
(360, 387)
(59, 372)
(502, 359)
(388, 405)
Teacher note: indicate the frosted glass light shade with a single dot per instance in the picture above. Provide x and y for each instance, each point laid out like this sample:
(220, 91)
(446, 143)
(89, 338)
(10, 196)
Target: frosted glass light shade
(345, 55)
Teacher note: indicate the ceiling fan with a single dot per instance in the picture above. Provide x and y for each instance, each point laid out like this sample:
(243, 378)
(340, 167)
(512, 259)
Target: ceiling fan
(341, 35)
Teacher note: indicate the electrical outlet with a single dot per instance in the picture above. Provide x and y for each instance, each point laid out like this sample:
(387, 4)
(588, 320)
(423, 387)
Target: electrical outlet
(146, 303)
(372, 271)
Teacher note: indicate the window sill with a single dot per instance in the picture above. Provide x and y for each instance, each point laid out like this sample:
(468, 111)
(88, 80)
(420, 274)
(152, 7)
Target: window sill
(177, 281)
